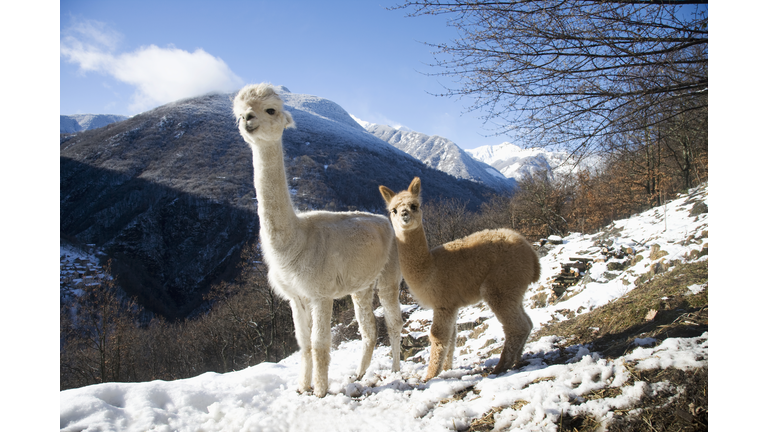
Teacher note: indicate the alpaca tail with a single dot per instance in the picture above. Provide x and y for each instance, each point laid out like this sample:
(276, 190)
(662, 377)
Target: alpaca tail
(536, 267)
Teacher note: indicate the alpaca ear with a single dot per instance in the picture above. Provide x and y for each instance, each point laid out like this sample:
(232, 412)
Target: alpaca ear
(289, 123)
(415, 187)
(387, 193)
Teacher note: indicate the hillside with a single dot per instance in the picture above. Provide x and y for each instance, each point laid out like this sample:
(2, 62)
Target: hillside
(499, 166)
(80, 122)
(442, 154)
(515, 162)
(168, 194)
(625, 345)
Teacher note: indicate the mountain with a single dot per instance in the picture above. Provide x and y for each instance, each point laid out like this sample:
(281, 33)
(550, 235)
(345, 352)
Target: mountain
(442, 154)
(168, 194)
(638, 356)
(80, 122)
(515, 162)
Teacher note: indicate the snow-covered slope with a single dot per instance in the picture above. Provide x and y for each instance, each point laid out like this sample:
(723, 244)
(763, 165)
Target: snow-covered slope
(329, 118)
(499, 166)
(80, 122)
(533, 397)
(515, 162)
(440, 153)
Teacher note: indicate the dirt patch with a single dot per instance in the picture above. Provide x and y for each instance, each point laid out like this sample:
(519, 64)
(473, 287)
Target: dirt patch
(686, 410)
(612, 328)
(659, 308)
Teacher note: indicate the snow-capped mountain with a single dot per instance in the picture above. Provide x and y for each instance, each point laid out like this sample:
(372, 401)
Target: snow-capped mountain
(440, 153)
(515, 162)
(80, 122)
(168, 194)
(499, 166)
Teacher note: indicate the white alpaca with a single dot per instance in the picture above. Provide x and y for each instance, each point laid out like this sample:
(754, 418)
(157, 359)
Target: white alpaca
(315, 257)
(492, 265)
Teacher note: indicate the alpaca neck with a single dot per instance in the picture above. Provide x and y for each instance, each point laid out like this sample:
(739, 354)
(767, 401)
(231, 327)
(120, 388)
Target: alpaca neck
(415, 258)
(277, 218)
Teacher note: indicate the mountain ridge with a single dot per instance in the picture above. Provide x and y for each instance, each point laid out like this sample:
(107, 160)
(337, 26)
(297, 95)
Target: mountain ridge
(168, 194)
(442, 154)
(499, 166)
(79, 122)
(516, 162)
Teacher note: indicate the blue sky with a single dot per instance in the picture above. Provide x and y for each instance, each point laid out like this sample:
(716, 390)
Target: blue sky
(119, 57)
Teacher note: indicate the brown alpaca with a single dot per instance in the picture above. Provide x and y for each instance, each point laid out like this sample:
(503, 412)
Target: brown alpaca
(492, 265)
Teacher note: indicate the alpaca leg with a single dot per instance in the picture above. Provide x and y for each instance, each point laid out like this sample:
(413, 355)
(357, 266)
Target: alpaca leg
(302, 324)
(517, 326)
(394, 318)
(443, 325)
(321, 344)
(525, 331)
(451, 347)
(363, 301)
(389, 293)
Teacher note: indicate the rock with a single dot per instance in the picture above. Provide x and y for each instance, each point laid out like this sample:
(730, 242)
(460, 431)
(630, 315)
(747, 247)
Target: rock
(414, 342)
(469, 325)
(657, 253)
(698, 209)
(651, 315)
(554, 239)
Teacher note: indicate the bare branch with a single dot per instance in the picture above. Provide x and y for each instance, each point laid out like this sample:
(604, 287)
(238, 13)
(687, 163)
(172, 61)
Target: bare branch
(565, 71)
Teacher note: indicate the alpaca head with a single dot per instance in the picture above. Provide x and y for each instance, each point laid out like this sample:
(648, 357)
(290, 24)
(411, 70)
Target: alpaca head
(260, 114)
(404, 207)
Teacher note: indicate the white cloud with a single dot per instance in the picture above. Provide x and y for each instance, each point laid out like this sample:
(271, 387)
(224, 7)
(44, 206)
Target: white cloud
(160, 75)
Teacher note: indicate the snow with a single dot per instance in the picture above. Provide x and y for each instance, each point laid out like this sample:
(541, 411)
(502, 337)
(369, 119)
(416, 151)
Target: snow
(439, 153)
(516, 162)
(696, 288)
(81, 122)
(263, 397)
(331, 123)
(362, 123)
(645, 341)
(74, 264)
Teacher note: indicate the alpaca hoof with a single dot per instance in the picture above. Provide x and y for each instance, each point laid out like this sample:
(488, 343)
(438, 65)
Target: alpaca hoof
(500, 370)
(321, 392)
(360, 373)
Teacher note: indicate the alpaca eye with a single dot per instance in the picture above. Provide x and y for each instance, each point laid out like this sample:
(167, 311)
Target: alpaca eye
(394, 211)
(270, 111)
(414, 207)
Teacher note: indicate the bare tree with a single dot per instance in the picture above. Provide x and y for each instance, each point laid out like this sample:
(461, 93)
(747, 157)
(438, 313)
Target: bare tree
(446, 220)
(541, 204)
(97, 328)
(571, 73)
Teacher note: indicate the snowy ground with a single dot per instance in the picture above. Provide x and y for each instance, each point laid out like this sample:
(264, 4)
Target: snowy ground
(263, 397)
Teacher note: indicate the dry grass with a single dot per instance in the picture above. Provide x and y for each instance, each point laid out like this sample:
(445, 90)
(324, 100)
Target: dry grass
(620, 322)
(684, 406)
